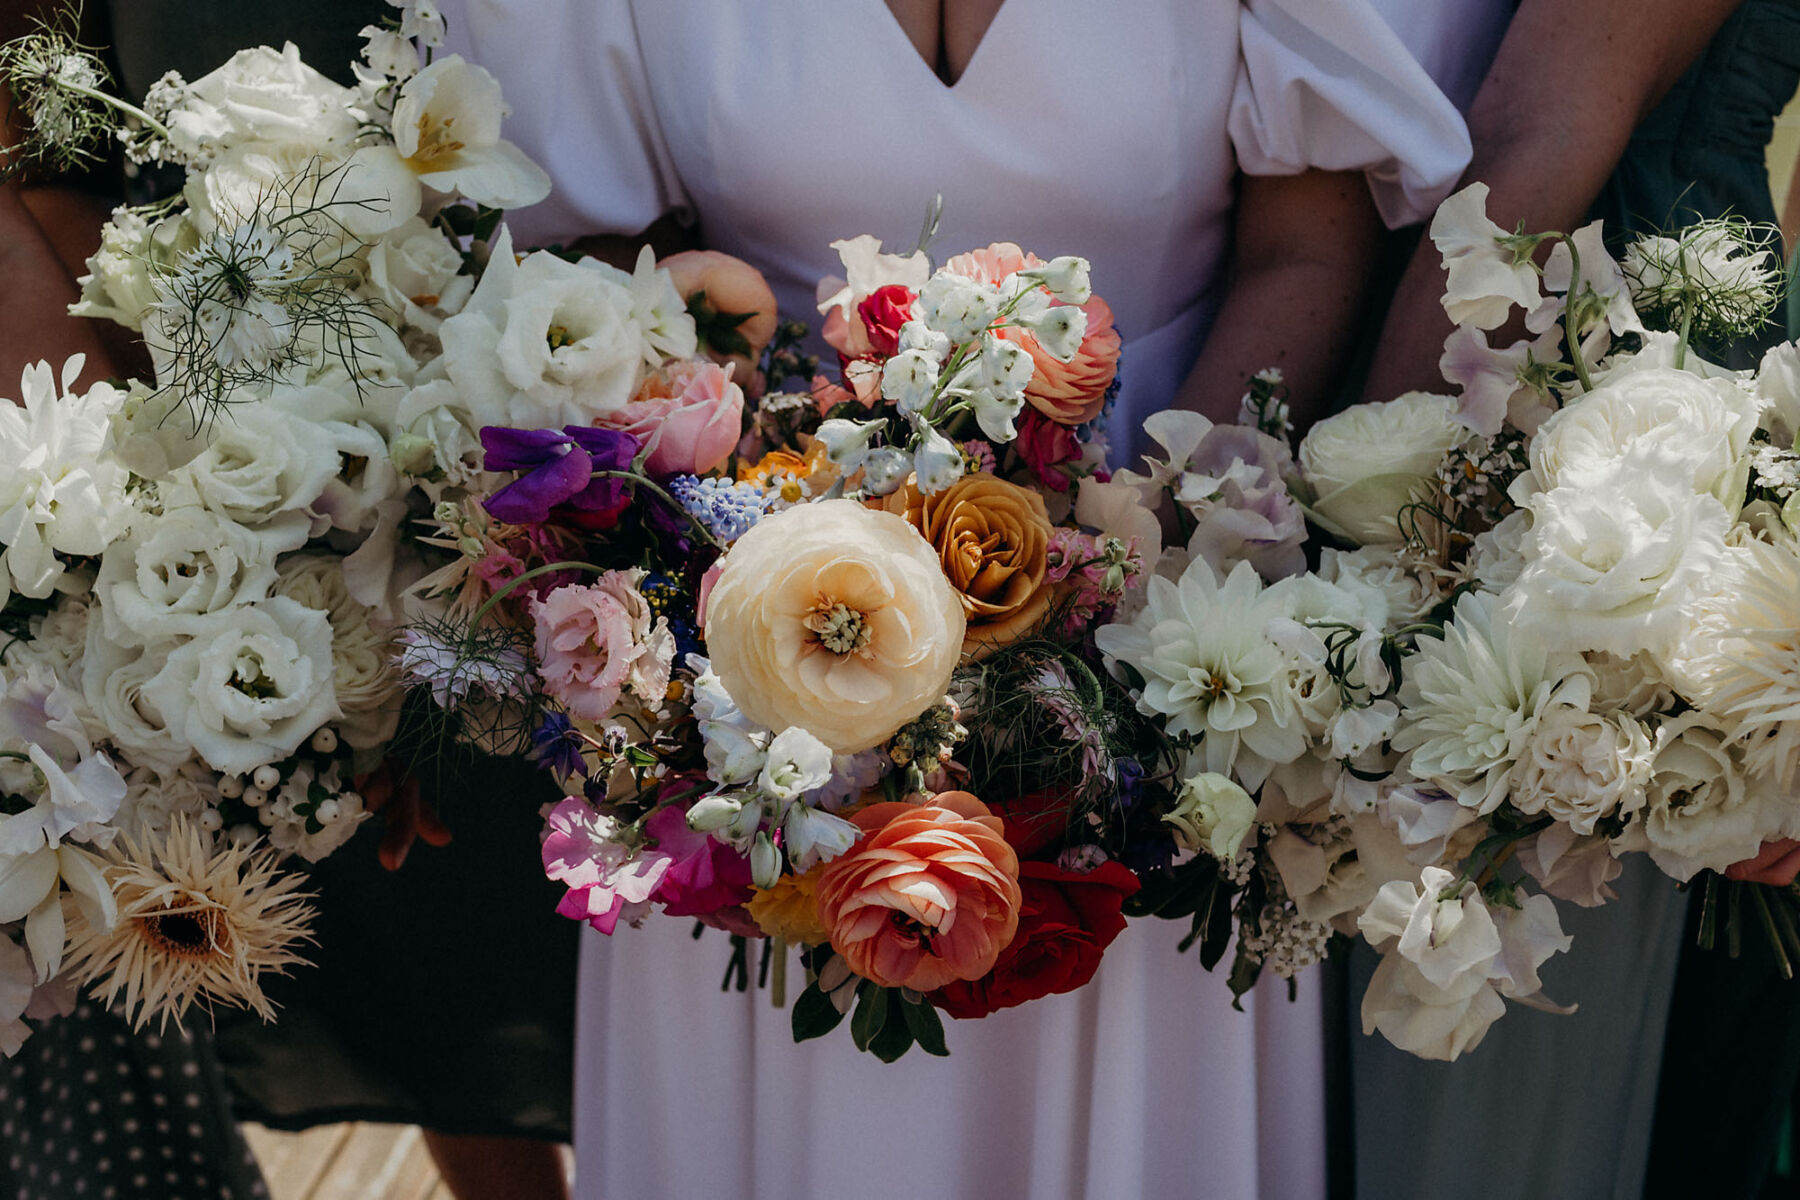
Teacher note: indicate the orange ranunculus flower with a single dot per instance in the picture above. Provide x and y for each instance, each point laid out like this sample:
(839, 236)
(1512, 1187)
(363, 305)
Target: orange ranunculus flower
(1069, 393)
(734, 287)
(991, 538)
(930, 894)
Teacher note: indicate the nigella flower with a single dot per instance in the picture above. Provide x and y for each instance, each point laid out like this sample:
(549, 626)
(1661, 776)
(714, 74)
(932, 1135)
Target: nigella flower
(728, 509)
(556, 746)
(559, 468)
(450, 670)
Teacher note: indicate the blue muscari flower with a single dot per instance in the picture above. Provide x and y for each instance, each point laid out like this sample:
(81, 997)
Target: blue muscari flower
(728, 509)
(556, 746)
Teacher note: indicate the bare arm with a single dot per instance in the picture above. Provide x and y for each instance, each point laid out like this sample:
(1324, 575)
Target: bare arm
(1572, 79)
(1304, 248)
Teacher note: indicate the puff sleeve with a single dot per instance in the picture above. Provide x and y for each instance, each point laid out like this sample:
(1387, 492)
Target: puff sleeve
(585, 117)
(1327, 84)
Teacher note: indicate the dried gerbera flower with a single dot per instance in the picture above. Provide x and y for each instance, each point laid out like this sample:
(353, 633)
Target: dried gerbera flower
(197, 922)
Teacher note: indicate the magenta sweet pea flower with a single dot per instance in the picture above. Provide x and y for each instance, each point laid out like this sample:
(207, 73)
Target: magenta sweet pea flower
(704, 875)
(608, 880)
(559, 468)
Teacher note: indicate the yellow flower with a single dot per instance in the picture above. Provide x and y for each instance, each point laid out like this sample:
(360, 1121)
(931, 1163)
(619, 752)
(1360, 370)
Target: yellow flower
(789, 911)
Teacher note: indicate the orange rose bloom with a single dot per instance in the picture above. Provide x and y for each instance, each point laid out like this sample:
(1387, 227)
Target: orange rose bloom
(1069, 393)
(991, 538)
(930, 894)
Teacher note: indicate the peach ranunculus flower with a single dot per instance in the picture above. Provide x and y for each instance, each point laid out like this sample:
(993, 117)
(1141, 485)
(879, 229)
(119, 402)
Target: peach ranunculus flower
(1069, 393)
(732, 288)
(835, 618)
(596, 640)
(929, 895)
(689, 415)
(992, 539)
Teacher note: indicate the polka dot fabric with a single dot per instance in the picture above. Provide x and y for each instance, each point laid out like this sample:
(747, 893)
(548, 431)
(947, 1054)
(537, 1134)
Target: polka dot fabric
(90, 1109)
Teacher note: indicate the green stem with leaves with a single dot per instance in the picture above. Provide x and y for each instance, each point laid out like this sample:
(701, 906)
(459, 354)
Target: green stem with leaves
(1576, 358)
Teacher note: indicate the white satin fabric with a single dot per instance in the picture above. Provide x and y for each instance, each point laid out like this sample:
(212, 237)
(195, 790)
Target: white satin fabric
(1112, 130)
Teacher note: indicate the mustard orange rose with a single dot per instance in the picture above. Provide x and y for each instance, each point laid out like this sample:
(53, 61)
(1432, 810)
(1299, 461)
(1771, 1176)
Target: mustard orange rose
(992, 539)
(928, 896)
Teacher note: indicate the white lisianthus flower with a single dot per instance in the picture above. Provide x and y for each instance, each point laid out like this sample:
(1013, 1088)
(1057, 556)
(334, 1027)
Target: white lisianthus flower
(1447, 932)
(545, 343)
(1369, 461)
(1471, 701)
(435, 435)
(1703, 812)
(175, 569)
(1498, 555)
(262, 95)
(113, 677)
(1617, 563)
(1487, 277)
(261, 462)
(1209, 667)
(61, 492)
(447, 135)
(1212, 813)
(251, 687)
(796, 763)
(1581, 768)
(416, 274)
(1671, 425)
(120, 285)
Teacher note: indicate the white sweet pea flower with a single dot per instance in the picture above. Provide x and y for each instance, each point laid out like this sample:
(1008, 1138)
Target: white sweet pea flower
(796, 763)
(958, 306)
(1487, 277)
(1431, 824)
(31, 883)
(1600, 274)
(1571, 867)
(867, 270)
(1445, 932)
(1499, 385)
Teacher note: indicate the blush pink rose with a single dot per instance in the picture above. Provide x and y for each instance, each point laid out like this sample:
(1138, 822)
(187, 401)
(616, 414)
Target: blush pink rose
(594, 641)
(690, 416)
(1069, 393)
(928, 896)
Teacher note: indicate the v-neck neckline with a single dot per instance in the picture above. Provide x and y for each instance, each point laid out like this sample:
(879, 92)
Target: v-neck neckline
(976, 56)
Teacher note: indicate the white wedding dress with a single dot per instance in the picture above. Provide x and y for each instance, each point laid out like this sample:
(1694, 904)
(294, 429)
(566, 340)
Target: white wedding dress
(1111, 130)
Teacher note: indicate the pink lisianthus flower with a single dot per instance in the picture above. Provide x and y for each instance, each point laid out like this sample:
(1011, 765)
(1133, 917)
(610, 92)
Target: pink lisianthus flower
(608, 880)
(704, 875)
(689, 415)
(1044, 445)
(594, 641)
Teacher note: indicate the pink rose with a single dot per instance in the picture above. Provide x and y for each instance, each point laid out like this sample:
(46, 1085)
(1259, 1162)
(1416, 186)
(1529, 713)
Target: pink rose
(594, 641)
(1045, 444)
(689, 415)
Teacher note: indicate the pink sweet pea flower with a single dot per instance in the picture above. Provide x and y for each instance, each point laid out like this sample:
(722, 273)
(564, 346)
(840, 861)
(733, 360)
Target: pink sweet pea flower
(608, 881)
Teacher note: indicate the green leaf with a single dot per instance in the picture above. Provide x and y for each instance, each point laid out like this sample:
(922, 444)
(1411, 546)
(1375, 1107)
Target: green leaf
(814, 1014)
(894, 1040)
(486, 221)
(1243, 977)
(926, 1027)
(1215, 929)
(871, 1014)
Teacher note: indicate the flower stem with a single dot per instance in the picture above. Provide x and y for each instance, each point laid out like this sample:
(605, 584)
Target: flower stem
(1569, 331)
(130, 110)
(512, 585)
(778, 978)
(672, 502)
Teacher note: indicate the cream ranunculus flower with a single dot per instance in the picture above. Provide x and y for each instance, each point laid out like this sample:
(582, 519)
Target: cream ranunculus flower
(1664, 423)
(1581, 767)
(834, 618)
(1369, 461)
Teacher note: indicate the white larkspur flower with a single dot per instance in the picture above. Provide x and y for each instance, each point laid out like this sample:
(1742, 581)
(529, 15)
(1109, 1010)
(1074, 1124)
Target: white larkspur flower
(957, 306)
(1209, 667)
(1471, 701)
(796, 762)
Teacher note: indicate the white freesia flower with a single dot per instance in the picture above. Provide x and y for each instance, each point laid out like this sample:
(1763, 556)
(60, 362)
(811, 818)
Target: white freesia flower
(1209, 667)
(544, 342)
(61, 492)
(447, 135)
(261, 95)
(252, 686)
(1213, 814)
(1617, 563)
(1369, 461)
(1487, 276)
(1472, 699)
(1582, 768)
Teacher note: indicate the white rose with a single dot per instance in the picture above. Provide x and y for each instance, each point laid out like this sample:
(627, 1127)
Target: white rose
(250, 688)
(368, 688)
(1581, 768)
(416, 273)
(175, 569)
(1702, 811)
(1213, 814)
(545, 343)
(262, 95)
(1664, 423)
(1367, 462)
(1617, 563)
(260, 462)
(1405, 591)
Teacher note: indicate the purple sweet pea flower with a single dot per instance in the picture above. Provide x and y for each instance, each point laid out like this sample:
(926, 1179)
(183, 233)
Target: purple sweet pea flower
(559, 468)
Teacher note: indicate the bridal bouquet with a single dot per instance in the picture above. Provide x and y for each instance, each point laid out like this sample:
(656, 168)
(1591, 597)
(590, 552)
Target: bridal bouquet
(203, 572)
(1587, 569)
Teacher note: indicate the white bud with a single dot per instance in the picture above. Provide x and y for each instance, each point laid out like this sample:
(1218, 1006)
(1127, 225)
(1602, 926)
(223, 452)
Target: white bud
(765, 862)
(210, 820)
(266, 777)
(938, 462)
(231, 786)
(325, 741)
(243, 835)
(327, 812)
(713, 812)
(1059, 331)
(887, 468)
(255, 797)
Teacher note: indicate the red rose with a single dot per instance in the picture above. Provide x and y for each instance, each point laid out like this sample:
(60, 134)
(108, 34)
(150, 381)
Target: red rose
(1035, 824)
(883, 312)
(1066, 920)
